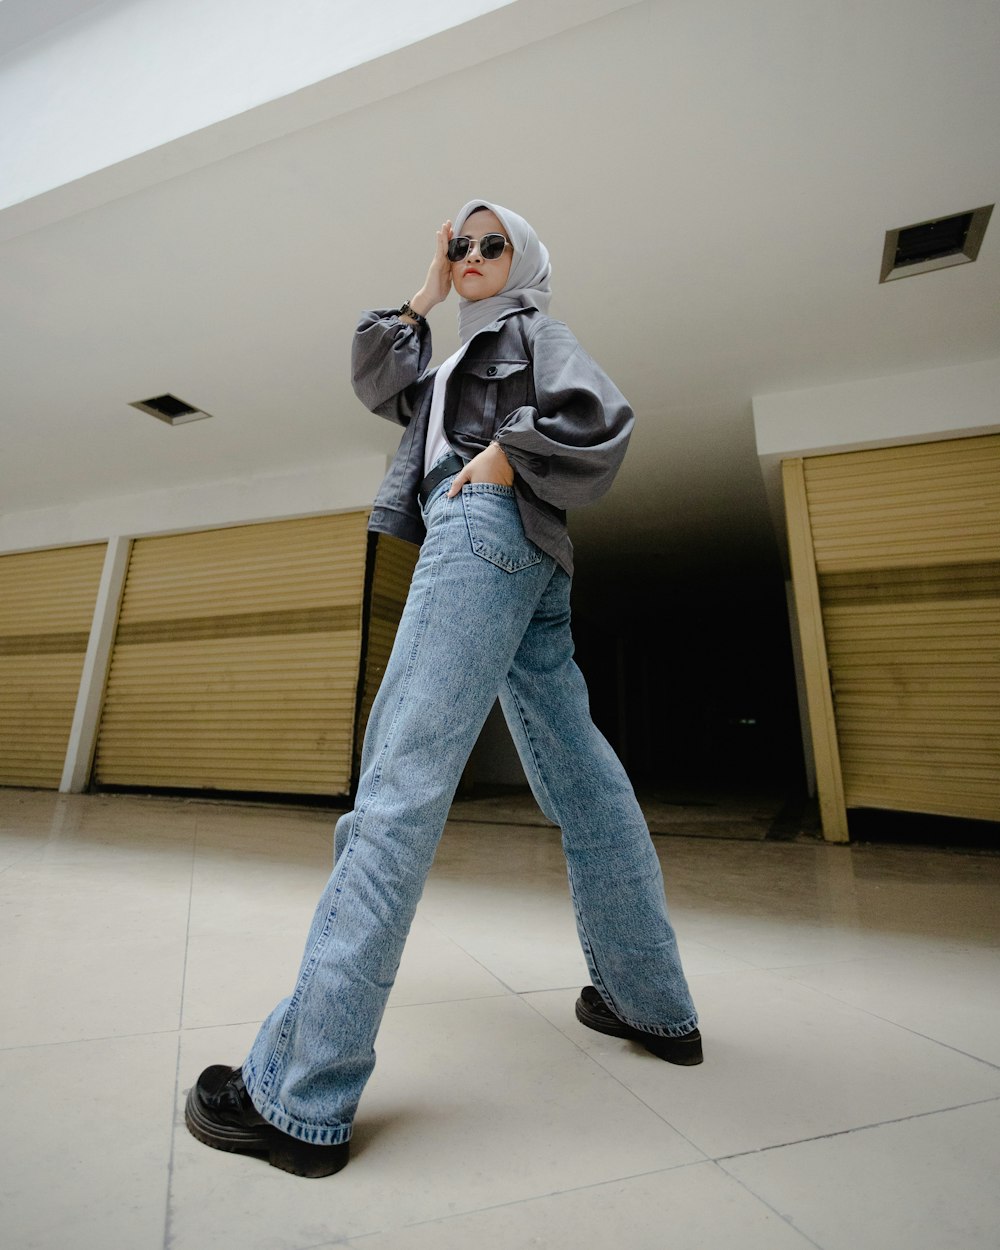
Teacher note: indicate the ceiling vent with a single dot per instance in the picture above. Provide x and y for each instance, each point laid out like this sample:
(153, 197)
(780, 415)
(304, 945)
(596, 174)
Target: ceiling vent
(170, 409)
(935, 244)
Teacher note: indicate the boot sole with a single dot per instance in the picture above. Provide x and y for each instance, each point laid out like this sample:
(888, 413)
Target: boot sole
(686, 1052)
(283, 1151)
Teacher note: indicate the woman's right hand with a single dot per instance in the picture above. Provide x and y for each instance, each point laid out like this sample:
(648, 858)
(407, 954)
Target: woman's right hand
(437, 284)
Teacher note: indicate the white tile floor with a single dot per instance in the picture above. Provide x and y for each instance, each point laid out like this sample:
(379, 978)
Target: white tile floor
(850, 1096)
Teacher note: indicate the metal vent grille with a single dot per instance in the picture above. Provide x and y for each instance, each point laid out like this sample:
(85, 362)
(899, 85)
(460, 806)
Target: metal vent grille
(170, 409)
(935, 244)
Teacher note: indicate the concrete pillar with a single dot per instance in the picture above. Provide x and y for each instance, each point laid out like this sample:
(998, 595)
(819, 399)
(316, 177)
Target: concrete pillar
(86, 717)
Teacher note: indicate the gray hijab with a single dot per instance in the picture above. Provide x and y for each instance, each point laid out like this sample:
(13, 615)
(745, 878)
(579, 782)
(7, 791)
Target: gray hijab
(528, 282)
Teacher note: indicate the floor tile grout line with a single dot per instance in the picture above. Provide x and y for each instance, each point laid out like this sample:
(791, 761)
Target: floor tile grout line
(84, 1041)
(168, 1210)
(168, 1196)
(721, 1160)
(468, 954)
(778, 1146)
(618, 1081)
(222, 1024)
(517, 1202)
(781, 1215)
(857, 1128)
(988, 1063)
(504, 992)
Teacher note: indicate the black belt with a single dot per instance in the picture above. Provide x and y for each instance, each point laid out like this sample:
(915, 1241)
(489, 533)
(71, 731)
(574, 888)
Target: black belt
(449, 465)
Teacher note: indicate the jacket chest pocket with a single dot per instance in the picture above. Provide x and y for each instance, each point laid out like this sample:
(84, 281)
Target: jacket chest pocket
(489, 390)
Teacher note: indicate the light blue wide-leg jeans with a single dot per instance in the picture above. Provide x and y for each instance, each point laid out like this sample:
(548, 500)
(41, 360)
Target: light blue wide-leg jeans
(487, 614)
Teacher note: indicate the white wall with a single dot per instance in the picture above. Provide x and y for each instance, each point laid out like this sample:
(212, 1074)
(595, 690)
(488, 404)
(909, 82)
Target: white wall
(901, 408)
(334, 486)
(930, 405)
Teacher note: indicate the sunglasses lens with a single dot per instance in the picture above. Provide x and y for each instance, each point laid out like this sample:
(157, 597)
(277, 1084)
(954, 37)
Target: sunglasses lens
(491, 246)
(458, 248)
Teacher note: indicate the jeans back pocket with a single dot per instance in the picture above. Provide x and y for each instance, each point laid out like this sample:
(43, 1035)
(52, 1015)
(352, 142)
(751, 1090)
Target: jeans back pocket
(495, 528)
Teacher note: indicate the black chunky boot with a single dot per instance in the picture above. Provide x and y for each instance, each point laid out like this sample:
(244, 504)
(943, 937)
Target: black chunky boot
(219, 1113)
(593, 1011)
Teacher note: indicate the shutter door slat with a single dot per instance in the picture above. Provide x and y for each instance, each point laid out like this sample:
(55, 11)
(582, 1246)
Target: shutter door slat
(936, 504)
(235, 666)
(392, 570)
(907, 545)
(47, 601)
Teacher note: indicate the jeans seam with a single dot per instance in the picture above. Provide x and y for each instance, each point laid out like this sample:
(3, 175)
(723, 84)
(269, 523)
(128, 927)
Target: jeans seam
(528, 739)
(585, 942)
(291, 1011)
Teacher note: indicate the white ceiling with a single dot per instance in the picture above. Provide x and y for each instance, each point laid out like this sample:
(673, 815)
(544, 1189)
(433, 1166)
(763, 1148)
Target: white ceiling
(714, 181)
(20, 22)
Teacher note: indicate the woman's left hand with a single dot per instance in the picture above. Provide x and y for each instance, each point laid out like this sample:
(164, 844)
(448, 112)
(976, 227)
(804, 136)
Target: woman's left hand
(491, 465)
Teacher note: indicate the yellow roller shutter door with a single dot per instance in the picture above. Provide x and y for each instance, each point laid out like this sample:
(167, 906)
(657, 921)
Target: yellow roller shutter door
(47, 603)
(392, 570)
(907, 550)
(235, 665)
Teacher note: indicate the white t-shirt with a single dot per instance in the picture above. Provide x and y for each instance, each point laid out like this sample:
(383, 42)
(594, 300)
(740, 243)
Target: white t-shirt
(436, 444)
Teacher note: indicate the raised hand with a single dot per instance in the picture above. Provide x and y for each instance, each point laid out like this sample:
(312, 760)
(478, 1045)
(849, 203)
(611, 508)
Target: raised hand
(437, 284)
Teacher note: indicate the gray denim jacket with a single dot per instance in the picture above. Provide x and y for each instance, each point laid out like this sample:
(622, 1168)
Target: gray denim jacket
(525, 381)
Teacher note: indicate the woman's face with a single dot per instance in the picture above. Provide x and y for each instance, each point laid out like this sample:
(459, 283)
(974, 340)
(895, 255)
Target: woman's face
(473, 277)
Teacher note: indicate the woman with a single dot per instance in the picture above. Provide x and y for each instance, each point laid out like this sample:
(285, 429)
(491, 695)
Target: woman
(515, 427)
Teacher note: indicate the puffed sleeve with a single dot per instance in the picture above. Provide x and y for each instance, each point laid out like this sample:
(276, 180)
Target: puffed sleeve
(387, 358)
(570, 446)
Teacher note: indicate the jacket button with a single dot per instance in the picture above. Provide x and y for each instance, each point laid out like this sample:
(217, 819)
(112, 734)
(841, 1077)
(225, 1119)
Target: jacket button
(491, 371)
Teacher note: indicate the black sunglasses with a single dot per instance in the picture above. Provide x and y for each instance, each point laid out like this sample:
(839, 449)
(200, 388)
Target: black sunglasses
(491, 246)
